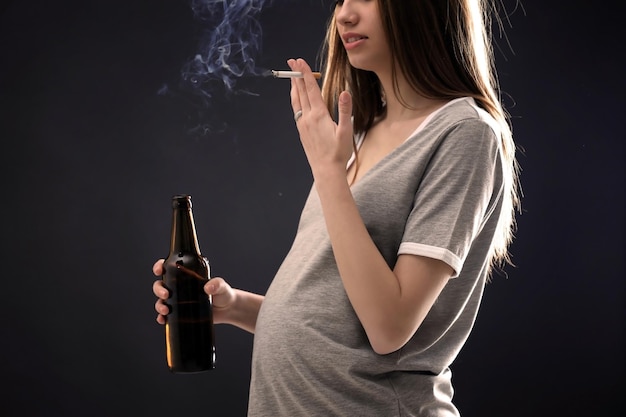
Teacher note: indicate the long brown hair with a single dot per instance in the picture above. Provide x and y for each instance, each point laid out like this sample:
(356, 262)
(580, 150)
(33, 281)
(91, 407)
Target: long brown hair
(444, 50)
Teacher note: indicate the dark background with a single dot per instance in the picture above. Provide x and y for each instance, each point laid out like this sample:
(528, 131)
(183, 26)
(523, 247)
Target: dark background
(92, 153)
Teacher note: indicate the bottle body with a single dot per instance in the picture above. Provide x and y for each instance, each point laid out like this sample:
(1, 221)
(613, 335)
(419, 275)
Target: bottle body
(189, 335)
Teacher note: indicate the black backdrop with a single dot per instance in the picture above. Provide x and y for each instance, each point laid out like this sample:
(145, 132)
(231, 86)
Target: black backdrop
(92, 153)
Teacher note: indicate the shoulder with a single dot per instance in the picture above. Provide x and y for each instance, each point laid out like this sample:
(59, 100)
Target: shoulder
(460, 134)
(465, 114)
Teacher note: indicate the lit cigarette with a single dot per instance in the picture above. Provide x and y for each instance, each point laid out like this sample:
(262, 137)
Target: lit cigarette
(293, 74)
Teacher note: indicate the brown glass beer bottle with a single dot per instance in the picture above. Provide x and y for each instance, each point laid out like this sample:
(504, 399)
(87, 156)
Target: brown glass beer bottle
(189, 333)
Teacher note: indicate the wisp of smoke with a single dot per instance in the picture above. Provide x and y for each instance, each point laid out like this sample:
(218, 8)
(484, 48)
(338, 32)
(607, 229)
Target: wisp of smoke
(230, 39)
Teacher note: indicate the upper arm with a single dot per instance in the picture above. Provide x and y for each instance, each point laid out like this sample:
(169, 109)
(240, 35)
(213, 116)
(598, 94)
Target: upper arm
(421, 280)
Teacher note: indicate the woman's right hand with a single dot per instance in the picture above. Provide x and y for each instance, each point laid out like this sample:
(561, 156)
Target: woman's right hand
(223, 295)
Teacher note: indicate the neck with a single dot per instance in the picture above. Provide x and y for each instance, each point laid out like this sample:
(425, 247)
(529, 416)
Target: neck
(410, 104)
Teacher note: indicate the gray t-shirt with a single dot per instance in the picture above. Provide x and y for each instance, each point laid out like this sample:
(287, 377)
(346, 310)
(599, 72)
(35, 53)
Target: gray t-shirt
(436, 195)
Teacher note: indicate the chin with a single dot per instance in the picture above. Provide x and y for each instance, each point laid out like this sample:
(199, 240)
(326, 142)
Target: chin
(359, 64)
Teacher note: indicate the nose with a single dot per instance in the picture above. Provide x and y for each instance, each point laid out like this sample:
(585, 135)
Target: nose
(345, 13)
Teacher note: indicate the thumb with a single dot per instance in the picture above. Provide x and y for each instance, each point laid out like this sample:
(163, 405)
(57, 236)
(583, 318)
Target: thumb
(214, 286)
(344, 124)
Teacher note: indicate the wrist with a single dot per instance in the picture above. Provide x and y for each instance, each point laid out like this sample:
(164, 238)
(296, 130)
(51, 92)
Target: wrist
(243, 310)
(330, 174)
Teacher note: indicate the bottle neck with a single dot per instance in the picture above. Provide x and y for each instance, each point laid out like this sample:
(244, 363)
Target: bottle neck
(184, 237)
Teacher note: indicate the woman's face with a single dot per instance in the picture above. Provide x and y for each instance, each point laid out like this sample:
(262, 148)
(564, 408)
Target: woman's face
(361, 31)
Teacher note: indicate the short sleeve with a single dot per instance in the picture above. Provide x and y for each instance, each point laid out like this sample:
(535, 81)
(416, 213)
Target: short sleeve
(455, 195)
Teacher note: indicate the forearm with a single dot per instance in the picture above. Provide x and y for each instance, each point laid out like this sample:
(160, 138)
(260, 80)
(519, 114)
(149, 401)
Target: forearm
(244, 310)
(372, 287)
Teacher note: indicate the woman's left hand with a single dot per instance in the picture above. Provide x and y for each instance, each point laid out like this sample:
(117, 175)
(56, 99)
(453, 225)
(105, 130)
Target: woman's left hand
(327, 145)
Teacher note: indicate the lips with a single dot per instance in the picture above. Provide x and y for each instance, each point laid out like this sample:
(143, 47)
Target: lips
(349, 38)
(354, 39)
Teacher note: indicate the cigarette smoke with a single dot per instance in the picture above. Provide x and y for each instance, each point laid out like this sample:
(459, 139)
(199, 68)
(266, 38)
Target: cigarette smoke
(230, 40)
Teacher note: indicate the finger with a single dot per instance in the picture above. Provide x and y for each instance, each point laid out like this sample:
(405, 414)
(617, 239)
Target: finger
(344, 109)
(157, 268)
(297, 65)
(161, 308)
(160, 319)
(312, 88)
(295, 97)
(215, 286)
(294, 94)
(159, 290)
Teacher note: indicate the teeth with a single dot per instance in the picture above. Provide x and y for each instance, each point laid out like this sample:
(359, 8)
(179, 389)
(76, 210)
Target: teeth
(354, 39)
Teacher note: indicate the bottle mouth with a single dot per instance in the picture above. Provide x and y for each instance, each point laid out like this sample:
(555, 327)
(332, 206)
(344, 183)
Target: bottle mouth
(181, 201)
